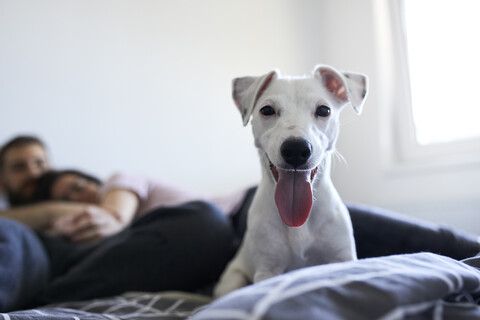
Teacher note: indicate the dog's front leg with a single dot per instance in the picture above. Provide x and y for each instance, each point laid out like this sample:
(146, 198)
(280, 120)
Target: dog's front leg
(267, 272)
(273, 257)
(234, 277)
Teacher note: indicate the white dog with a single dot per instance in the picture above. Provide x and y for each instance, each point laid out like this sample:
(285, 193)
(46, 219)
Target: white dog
(297, 218)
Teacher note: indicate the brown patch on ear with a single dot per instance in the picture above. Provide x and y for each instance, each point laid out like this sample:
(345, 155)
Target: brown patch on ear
(334, 84)
(264, 85)
(247, 90)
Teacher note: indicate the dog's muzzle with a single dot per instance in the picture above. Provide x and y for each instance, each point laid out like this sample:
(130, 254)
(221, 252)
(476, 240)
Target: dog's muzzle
(293, 194)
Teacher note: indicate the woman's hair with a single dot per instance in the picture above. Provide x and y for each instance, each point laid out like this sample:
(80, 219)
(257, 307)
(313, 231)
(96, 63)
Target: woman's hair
(46, 181)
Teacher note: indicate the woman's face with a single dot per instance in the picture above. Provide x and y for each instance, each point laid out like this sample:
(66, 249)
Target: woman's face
(71, 187)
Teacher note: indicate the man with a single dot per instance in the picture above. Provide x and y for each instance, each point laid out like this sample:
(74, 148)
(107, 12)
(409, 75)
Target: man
(22, 159)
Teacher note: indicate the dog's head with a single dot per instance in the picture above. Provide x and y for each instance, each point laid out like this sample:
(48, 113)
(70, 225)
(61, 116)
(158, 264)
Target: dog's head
(295, 125)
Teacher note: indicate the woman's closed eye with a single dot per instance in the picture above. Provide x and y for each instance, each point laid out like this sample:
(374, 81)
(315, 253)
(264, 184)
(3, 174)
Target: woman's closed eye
(78, 186)
(75, 190)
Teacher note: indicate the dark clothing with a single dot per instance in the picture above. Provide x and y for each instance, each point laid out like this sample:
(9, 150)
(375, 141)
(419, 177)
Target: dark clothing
(24, 265)
(380, 232)
(178, 248)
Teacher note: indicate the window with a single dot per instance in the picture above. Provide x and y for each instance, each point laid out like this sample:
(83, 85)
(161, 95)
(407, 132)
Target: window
(444, 67)
(428, 66)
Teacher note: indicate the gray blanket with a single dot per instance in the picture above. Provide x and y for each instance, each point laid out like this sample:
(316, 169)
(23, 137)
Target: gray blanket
(417, 286)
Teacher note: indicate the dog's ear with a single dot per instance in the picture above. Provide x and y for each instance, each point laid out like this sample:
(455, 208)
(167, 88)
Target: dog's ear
(247, 90)
(346, 86)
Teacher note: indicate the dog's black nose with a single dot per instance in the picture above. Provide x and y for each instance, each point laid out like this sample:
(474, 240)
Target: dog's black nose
(296, 151)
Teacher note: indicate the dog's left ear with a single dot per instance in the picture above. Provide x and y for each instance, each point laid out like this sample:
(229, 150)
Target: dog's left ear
(247, 90)
(346, 86)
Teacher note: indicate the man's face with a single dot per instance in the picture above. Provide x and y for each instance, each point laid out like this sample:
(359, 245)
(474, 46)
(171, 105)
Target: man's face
(21, 166)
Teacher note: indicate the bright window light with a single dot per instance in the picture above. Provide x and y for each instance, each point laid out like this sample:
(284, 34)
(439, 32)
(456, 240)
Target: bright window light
(444, 60)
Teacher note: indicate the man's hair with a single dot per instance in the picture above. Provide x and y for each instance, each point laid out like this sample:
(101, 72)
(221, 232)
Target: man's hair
(16, 142)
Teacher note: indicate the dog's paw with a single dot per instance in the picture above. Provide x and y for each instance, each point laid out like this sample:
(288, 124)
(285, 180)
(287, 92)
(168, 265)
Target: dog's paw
(264, 275)
(227, 286)
(232, 280)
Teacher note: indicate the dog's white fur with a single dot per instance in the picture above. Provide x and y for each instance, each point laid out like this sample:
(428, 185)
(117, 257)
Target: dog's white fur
(270, 247)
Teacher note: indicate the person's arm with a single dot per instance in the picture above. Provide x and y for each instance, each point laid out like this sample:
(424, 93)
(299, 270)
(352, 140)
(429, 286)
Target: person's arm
(123, 202)
(121, 195)
(41, 216)
(114, 213)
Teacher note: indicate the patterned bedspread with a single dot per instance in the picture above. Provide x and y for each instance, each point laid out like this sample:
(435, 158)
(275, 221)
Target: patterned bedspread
(151, 306)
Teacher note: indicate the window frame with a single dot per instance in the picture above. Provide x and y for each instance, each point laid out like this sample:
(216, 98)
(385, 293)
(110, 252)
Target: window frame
(400, 148)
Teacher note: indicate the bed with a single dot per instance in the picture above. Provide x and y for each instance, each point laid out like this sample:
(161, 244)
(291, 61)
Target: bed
(434, 274)
(410, 286)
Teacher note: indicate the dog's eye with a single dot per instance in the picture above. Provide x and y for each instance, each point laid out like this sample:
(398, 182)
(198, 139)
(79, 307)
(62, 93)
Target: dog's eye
(322, 111)
(267, 111)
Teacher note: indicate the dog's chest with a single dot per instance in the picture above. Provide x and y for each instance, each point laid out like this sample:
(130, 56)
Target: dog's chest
(304, 247)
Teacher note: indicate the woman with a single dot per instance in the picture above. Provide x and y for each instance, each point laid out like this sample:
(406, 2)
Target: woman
(153, 237)
(113, 205)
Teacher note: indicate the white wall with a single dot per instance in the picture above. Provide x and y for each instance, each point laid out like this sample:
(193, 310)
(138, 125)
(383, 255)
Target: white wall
(144, 86)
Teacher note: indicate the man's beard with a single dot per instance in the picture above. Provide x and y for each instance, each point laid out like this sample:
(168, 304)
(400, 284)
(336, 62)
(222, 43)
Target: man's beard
(16, 199)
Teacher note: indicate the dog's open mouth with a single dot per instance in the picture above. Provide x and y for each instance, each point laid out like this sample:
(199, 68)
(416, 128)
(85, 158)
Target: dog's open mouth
(293, 194)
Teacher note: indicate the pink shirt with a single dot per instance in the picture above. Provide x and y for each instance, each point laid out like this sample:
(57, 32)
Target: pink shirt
(154, 194)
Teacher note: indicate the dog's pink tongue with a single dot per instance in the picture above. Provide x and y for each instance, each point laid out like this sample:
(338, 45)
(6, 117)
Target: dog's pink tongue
(293, 197)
